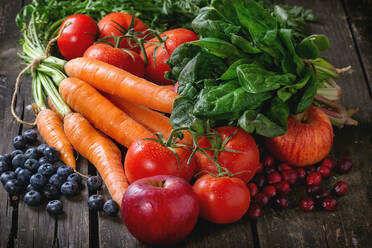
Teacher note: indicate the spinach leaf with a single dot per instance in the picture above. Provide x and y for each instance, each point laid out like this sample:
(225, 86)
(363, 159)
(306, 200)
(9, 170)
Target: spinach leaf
(291, 62)
(218, 47)
(324, 70)
(286, 92)
(202, 66)
(310, 46)
(179, 58)
(252, 121)
(256, 79)
(231, 73)
(245, 45)
(226, 101)
(225, 9)
(209, 23)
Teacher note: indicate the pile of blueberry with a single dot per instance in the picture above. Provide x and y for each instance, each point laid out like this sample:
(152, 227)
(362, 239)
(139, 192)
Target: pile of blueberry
(36, 171)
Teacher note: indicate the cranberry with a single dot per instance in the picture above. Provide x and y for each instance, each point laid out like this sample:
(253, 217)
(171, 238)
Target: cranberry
(259, 168)
(344, 165)
(283, 167)
(329, 203)
(268, 161)
(324, 171)
(269, 169)
(281, 201)
(283, 188)
(260, 180)
(312, 189)
(254, 211)
(307, 204)
(310, 169)
(327, 162)
(253, 189)
(262, 199)
(290, 176)
(301, 173)
(340, 188)
(321, 194)
(314, 179)
(274, 177)
(269, 191)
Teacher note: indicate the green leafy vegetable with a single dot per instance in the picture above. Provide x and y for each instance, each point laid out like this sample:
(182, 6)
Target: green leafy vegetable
(310, 46)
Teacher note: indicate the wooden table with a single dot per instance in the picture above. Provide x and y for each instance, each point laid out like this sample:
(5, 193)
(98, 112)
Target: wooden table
(348, 25)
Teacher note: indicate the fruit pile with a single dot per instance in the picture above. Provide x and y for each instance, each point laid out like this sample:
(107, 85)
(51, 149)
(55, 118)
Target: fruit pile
(37, 171)
(273, 183)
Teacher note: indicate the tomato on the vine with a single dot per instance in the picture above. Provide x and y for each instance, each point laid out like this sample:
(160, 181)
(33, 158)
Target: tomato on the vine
(78, 33)
(127, 60)
(146, 158)
(222, 200)
(116, 24)
(155, 69)
(239, 154)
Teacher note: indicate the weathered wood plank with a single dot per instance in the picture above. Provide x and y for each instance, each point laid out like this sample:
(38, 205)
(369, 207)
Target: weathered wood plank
(9, 127)
(350, 224)
(359, 15)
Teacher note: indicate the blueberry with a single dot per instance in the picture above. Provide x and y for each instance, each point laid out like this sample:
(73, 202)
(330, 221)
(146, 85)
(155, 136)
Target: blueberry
(31, 164)
(15, 152)
(111, 208)
(51, 153)
(6, 158)
(19, 142)
(30, 136)
(51, 192)
(4, 167)
(43, 160)
(30, 187)
(74, 177)
(95, 202)
(94, 183)
(57, 180)
(32, 153)
(23, 176)
(18, 161)
(13, 187)
(37, 180)
(55, 207)
(70, 188)
(47, 169)
(6, 176)
(40, 148)
(65, 170)
(33, 198)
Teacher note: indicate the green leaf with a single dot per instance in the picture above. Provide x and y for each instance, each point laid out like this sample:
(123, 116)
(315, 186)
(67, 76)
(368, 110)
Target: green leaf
(244, 44)
(324, 70)
(226, 9)
(310, 46)
(231, 73)
(305, 97)
(218, 47)
(291, 62)
(256, 79)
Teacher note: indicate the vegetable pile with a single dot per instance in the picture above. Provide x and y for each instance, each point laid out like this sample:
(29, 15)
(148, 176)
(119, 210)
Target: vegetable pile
(238, 68)
(250, 69)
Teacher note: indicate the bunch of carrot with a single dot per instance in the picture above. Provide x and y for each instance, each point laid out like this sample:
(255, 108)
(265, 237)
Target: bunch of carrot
(123, 111)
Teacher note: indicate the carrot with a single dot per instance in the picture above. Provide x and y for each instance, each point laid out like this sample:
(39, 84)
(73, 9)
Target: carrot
(50, 127)
(51, 106)
(105, 116)
(115, 81)
(168, 87)
(99, 150)
(152, 120)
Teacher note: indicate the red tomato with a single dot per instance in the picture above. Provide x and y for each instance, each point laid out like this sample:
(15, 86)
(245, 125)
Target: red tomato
(113, 24)
(222, 200)
(247, 160)
(117, 57)
(147, 158)
(155, 71)
(77, 36)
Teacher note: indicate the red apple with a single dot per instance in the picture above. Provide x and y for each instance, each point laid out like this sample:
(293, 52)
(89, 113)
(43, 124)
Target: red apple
(307, 141)
(160, 210)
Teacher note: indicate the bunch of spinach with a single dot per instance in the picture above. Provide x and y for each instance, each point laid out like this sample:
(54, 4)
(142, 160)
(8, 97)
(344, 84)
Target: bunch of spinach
(248, 69)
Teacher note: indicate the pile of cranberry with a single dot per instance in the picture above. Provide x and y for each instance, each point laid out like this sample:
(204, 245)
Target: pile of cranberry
(273, 183)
